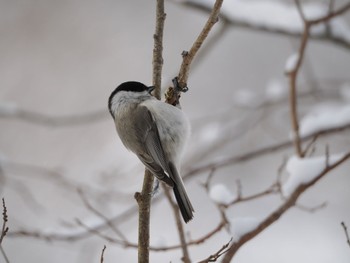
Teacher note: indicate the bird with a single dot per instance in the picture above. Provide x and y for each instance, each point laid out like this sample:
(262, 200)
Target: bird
(156, 132)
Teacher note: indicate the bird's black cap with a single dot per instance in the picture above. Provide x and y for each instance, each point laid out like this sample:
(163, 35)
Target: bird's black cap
(133, 86)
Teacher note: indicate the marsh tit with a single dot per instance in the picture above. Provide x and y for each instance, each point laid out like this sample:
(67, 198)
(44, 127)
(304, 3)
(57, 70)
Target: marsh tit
(156, 132)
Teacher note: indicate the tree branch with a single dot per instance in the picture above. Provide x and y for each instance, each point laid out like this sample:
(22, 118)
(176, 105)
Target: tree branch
(102, 253)
(260, 152)
(219, 253)
(274, 216)
(171, 96)
(144, 198)
(293, 74)
(279, 30)
(144, 202)
(36, 118)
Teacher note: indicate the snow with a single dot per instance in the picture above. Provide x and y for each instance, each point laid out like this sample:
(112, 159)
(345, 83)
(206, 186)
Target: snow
(8, 108)
(291, 62)
(220, 194)
(324, 116)
(243, 225)
(245, 97)
(278, 15)
(344, 91)
(275, 90)
(304, 170)
(210, 132)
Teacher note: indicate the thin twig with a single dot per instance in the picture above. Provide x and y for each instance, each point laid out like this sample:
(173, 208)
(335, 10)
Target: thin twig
(179, 224)
(102, 253)
(311, 209)
(240, 199)
(4, 255)
(171, 96)
(99, 214)
(293, 74)
(260, 152)
(331, 14)
(4, 229)
(346, 233)
(189, 56)
(219, 253)
(309, 146)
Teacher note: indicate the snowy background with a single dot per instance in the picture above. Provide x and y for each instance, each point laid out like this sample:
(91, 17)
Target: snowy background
(63, 58)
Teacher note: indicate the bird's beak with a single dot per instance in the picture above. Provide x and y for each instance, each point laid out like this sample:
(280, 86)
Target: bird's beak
(150, 89)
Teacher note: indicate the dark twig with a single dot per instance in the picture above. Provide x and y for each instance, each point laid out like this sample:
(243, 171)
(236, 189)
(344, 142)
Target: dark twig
(219, 253)
(346, 233)
(4, 229)
(311, 209)
(102, 253)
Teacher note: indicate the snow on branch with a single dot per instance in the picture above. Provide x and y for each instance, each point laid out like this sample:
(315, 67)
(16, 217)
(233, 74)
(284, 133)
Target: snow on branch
(304, 170)
(324, 116)
(286, 205)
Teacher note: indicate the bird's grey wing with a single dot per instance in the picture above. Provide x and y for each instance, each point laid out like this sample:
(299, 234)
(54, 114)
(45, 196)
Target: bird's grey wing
(153, 157)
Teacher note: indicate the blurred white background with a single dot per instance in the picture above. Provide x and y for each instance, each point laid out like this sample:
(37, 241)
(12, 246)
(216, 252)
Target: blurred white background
(63, 58)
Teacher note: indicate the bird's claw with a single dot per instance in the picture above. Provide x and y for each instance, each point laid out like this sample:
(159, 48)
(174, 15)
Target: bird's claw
(177, 87)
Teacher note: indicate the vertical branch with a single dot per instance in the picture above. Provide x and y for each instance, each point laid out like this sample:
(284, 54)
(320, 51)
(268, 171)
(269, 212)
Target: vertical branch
(144, 198)
(158, 48)
(144, 202)
(293, 74)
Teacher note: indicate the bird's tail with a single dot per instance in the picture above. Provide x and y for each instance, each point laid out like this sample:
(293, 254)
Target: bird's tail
(181, 196)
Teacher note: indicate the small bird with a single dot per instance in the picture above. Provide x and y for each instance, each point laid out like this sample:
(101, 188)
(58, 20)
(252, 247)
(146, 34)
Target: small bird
(156, 132)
